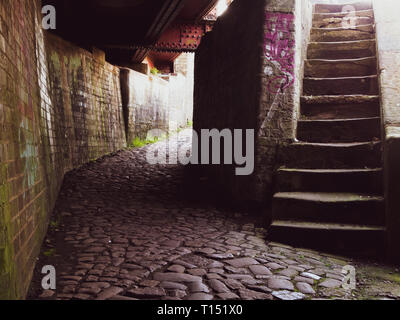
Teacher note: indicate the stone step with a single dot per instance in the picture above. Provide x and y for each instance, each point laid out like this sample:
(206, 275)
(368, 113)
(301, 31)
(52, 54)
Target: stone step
(323, 108)
(365, 85)
(345, 130)
(342, 50)
(322, 68)
(338, 8)
(351, 240)
(305, 155)
(342, 34)
(330, 180)
(340, 99)
(321, 17)
(329, 194)
(341, 21)
(348, 208)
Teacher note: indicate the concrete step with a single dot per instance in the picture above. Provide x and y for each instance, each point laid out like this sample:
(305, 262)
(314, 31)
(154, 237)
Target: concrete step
(342, 50)
(365, 85)
(322, 68)
(305, 155)
(338, 21)
(345, 130)
(330, 180)
(339, 107)
(348, 208)
(352, 240)
(338, 8)
(342, 34)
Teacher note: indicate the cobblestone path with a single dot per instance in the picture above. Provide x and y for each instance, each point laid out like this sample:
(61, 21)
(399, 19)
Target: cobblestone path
(122, 230)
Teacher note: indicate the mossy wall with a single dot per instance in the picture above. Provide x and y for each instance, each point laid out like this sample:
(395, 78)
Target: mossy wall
(151, 102)
(60, 107)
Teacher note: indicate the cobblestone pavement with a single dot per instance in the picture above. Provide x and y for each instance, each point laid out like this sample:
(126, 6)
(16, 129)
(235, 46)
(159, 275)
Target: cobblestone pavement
(121, 230)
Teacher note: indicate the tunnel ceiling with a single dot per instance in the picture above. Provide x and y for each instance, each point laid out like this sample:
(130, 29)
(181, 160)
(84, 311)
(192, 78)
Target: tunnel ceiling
(125, 29)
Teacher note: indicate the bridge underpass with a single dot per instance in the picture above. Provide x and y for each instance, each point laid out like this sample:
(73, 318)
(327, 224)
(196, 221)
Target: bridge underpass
(80, 194)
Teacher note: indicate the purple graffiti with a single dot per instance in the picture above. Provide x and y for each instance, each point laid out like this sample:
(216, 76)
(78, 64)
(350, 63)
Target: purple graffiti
(279, 50)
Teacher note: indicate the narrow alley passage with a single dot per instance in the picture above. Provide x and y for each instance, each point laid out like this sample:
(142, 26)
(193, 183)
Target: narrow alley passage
(121, 230)
(291, 191)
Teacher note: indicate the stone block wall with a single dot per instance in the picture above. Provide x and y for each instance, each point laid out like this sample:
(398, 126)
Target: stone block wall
(228, 87)
(282, 83)
(180, 102)
(182, 112)
(388, 48)
(153, 102)
(241, 84)
(145, 100)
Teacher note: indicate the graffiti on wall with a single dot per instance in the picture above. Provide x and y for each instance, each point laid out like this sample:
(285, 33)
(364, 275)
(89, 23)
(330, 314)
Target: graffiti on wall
(279, 50)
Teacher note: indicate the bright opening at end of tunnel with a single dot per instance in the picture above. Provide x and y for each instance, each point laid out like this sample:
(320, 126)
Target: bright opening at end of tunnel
(222, 6)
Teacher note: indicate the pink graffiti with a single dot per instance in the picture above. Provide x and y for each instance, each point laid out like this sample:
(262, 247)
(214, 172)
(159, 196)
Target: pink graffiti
(279, 50)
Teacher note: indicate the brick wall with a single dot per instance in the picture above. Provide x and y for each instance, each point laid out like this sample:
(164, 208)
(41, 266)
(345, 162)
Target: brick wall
(22, 186)
(60, 107)
(236, 87)
(86, 109)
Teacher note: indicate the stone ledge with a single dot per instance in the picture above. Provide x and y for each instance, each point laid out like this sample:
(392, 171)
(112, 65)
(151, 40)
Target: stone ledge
(392, 191)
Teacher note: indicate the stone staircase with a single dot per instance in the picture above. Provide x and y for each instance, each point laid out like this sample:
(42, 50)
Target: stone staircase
(329, 191)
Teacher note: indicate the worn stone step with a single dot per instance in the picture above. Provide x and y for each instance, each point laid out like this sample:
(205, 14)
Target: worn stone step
(305, 155)
(321, 17)
(365, 85)
(351, 240)
(342, 50)
(330, 180)
(339, 111)
(345, 20)
(345, 130)
(340, 99)
(338, 8)
(318, 108)
(342, 34)
(322, 68)
(348, 208)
